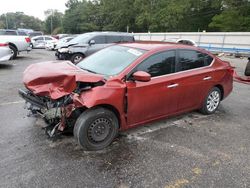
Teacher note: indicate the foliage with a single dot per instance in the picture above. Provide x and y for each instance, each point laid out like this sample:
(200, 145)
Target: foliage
(20, 20)
(139, 16)
(53, 22)
(234, 17)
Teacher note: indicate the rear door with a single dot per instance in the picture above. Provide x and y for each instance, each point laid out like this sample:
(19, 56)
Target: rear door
(156, 98)
(195, 78)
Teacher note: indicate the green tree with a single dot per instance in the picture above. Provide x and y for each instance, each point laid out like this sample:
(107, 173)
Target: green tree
(53, 22)
(16, 20)
(234, 17)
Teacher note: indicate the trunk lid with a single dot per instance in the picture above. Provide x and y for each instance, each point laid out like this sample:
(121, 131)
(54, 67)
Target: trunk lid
(55, 79)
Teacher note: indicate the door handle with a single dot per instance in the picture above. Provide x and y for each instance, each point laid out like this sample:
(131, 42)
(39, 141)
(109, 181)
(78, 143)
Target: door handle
(207, 78)
(173, 85)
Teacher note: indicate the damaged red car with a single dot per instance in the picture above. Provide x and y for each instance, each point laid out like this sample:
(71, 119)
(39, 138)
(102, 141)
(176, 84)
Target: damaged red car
(124, 86)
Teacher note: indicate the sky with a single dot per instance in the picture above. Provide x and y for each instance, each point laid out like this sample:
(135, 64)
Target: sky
(34, 8)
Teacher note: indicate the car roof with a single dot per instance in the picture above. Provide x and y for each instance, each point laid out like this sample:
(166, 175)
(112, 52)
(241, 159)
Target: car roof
(109, 33)
(155, 45)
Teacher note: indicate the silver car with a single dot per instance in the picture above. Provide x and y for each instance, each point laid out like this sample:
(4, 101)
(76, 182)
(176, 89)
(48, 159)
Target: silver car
(5, 52)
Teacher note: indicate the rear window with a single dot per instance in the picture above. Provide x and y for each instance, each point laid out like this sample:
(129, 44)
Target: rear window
(113, 39)
(191, 59)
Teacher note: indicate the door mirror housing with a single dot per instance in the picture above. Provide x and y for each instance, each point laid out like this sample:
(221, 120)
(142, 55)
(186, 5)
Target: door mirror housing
(141, 76)
(92, 42)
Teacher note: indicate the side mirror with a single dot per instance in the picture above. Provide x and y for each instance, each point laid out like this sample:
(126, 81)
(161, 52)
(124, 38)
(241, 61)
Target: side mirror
(92, 42)
(142, 76)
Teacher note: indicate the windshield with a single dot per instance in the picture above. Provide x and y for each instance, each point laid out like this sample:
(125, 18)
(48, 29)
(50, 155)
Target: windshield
(111, 61)
(84, 38)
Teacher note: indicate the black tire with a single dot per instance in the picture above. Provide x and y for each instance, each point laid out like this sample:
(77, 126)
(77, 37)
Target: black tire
(96, 128)
(76, 58)
(208, 106)
(247, 71)
(13, 51)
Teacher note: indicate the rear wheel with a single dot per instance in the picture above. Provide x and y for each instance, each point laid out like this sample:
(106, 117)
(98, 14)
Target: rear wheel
(212, 101)
(247, 71)
(96, 128)
(76, 58)
(13, 51)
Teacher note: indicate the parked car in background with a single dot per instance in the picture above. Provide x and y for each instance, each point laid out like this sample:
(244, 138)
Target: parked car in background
(52, 45)
(12, 32)
(89, 43)
(181, 41)
(35, 33)
(60, 36)
(247, 70)
(5, 52)
(123, 86)
(41, 41)
(17, 43)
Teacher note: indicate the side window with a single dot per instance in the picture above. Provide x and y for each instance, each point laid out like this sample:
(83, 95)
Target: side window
(99, 39)
(113, 39)
(11, 33)
(190, 59)
(22, 33)
(208, 59)
(128, 39)
(48, 38)
(38, 39)
(159, 64)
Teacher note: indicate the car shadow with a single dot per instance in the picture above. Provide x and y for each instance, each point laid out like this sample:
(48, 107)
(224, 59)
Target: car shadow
(6, 66)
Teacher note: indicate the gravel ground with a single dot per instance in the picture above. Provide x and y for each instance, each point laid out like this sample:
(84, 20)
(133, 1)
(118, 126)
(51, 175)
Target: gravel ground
(190, 150)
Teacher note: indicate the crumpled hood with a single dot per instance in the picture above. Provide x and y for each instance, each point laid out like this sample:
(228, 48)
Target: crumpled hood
(55, 79)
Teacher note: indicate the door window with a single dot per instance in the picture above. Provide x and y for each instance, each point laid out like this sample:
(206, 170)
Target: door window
(48, 38)
(99, 39)
(113, 39)
(190, 59)
(159, 64)
(38, 39)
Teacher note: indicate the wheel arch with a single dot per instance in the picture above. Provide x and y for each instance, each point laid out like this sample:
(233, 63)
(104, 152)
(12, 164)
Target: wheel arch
(220, 87)
(113, 109)
(12, 44)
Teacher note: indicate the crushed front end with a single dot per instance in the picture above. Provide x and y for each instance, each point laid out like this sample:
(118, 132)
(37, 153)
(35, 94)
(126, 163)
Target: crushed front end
(56, 113)
(53, 91)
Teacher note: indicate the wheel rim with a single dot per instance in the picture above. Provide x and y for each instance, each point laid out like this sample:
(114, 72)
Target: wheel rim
(99, 130)
(77, 59)
(213, 101)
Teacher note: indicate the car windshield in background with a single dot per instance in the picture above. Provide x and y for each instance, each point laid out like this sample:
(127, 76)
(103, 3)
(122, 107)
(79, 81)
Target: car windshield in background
(111, 61)
(84, 38)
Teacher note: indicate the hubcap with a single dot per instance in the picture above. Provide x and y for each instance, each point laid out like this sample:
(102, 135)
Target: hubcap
(99, 130)
(77, 59)
(213, 101)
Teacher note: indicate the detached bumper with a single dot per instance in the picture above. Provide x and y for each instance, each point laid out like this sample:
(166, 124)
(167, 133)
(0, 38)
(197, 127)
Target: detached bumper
(32, 99)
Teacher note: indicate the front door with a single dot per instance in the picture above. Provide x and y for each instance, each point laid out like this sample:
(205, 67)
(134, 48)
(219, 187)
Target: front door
(156, 98)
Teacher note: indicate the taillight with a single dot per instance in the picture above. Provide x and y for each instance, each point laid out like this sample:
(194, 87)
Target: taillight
(27, 39)
(3, 44)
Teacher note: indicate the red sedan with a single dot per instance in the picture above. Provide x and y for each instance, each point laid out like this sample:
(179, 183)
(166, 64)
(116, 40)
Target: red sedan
(124, 86)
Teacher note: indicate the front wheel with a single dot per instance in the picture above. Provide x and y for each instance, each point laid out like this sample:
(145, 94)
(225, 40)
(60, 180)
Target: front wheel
(212, 101)
(96, 128)
(76, 58)
(247, 71)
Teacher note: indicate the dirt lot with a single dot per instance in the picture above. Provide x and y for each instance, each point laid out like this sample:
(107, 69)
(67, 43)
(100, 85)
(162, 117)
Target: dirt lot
(191, 150)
